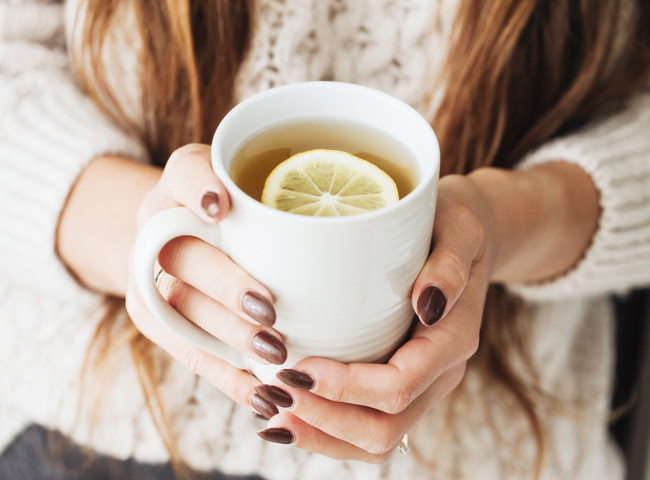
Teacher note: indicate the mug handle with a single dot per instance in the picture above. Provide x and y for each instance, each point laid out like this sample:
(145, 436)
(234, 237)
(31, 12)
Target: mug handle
(154, 235)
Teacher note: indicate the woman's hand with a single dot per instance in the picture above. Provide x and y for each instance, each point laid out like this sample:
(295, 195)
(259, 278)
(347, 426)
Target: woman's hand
(205, 286)
(361, 411)
(492, 225)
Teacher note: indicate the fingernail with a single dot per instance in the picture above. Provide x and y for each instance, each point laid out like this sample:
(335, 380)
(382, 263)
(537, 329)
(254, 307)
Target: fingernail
(275, 395)
(210, 204)
(296, 379)
(431, 305)
(269, 348)
(261, 406)
(258, 308)
(277, 435)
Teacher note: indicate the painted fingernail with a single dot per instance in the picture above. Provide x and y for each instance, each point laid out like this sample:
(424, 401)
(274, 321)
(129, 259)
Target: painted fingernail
(258, 308)
(269, 348)
(431, 305)
(296, 379)
(210, 204)
(277, 435)
(275, 395)
(261, 406)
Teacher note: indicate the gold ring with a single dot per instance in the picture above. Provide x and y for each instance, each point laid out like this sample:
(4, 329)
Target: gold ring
(158, 276)
(403, 445)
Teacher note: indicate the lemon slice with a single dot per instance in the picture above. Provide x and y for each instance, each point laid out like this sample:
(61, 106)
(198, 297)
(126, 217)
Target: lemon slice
(328, 183)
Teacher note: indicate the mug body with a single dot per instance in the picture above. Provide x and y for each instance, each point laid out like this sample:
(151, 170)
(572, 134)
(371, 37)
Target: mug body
(341, 284)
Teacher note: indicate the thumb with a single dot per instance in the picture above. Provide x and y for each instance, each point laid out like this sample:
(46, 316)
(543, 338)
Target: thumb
(190, 181)
(446, 272)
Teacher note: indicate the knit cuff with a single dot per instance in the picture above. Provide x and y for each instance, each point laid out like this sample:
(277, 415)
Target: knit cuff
(49, 132)
(615, 152)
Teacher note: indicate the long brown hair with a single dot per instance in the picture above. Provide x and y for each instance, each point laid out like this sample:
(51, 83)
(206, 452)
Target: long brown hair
(517, 73)
(189, 53)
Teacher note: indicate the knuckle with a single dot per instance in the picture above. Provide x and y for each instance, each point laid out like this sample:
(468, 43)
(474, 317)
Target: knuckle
(398, 401)
(228, 385)
(472, 222)
(191, 357)
(379, 459)
(174, 291)
(226, 286)
(379, 438)
(339, 391)
(170, 253)
(379, 446)
(468, 217)
(178, 162)
(227, 282)
(313, 417)
(471, 344)
(180, 156)
(456, 267)
(383, 442)
(223, 286)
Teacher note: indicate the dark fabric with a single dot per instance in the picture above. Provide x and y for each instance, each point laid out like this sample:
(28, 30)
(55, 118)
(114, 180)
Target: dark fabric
(40, 454)
(632, 387)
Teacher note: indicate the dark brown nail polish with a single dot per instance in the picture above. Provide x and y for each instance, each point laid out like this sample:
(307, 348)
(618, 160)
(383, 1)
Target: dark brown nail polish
(296, 379)
(277, 435)
(258, 307)
(261, 406)
(273, 394)
(210, 204)
(431, 305)
(269, 348)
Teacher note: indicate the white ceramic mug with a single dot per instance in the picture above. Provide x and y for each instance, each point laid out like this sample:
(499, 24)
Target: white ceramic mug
(341, 284)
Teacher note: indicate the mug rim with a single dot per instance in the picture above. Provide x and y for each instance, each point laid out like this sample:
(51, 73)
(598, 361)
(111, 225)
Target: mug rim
(428, 174)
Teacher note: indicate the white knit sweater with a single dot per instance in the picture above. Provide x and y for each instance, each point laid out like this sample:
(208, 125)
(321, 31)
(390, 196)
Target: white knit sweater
(49, 131)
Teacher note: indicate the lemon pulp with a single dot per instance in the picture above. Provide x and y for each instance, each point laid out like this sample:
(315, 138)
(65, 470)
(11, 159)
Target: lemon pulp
(328, 183)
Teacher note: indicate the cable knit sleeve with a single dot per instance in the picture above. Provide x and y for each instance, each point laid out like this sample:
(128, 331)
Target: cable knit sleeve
(49, 131)
(615, 152)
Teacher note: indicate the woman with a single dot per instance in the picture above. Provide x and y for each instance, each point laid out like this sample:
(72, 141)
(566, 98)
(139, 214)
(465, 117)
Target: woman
(549, 99)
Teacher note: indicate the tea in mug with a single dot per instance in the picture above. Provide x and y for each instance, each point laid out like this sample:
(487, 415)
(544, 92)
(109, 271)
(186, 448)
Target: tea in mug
(259, 156)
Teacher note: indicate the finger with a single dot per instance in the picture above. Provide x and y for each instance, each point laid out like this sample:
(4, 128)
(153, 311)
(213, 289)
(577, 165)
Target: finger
(189, 179)
(363, 428)
(457, 243)
(367, 428)
(237, 384)
(233, 382)
(219, 278)
(261, 344)
(392, 387)
(286, 428)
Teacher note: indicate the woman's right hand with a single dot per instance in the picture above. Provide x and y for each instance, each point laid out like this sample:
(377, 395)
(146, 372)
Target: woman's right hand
(206, 286)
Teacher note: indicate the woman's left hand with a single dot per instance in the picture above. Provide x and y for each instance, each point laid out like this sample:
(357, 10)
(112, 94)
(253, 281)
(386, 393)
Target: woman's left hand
(361, 411)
